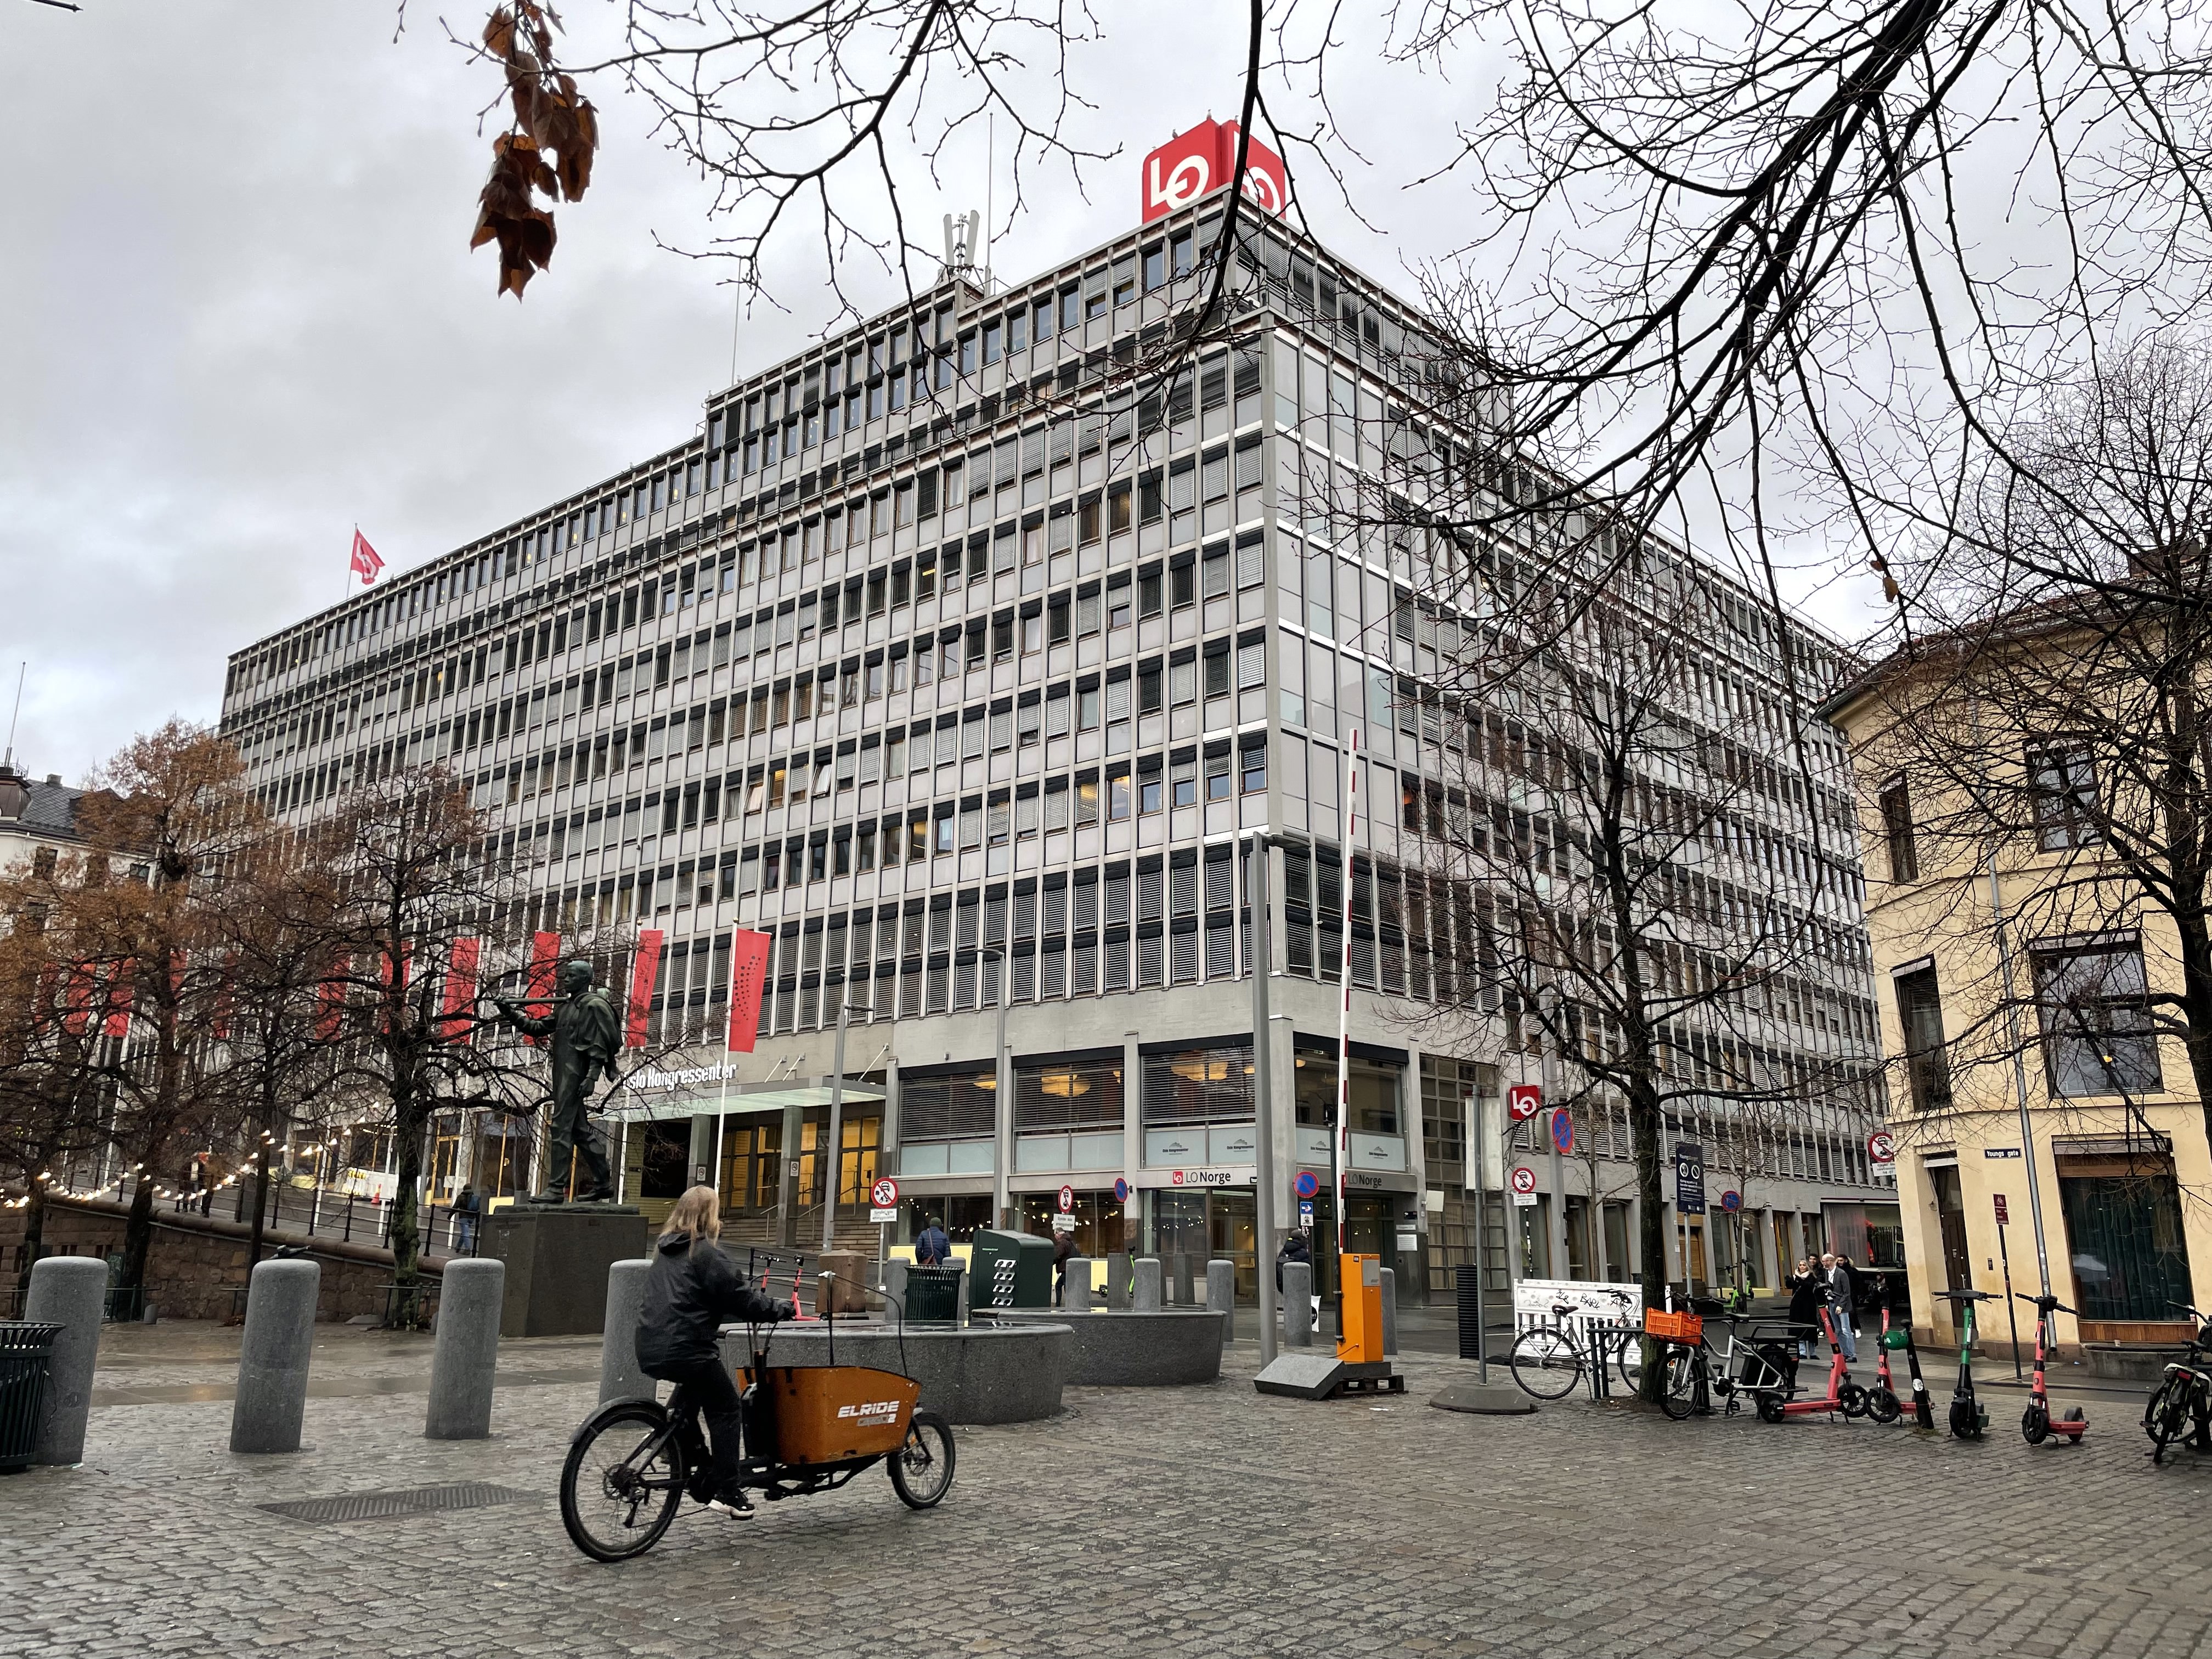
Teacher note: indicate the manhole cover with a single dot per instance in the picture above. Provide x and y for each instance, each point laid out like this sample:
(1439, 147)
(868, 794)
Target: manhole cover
(381, 1505)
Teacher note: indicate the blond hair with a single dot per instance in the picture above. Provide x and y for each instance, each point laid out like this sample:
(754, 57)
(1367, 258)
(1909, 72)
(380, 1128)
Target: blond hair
(697, 1214)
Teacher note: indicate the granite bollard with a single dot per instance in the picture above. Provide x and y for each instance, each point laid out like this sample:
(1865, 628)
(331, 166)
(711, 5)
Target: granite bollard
(1117, 1281)
(1221, 1295)
(1298, 1304)
(462, 1363)
(619, 1377)
(893, 1287)
(1076, 1295)
(1389, 1310)
(1186, 1292)
(1145, 1298)
(273, 1355)
(67, 1290)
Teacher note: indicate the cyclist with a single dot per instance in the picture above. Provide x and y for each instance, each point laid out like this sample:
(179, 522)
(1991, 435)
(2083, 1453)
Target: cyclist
(690, 1290)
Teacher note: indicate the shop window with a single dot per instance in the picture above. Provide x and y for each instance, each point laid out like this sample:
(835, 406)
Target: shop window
(2123, 1231)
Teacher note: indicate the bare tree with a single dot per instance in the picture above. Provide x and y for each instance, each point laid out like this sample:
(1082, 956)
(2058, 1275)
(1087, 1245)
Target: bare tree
(1627, 898)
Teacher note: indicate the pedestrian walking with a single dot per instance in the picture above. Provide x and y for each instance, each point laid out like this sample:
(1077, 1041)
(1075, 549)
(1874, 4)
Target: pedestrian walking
(1840, 1309)
(932, 1248)
(465, 1211)
(1808, 1290)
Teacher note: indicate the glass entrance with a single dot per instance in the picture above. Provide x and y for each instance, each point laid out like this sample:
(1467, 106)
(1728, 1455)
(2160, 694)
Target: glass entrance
(1233, 1230)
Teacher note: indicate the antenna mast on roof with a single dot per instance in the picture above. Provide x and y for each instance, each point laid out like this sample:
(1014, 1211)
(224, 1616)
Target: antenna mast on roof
(22, 668)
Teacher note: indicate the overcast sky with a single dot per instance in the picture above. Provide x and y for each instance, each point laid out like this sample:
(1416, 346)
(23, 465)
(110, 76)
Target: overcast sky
(242, 315)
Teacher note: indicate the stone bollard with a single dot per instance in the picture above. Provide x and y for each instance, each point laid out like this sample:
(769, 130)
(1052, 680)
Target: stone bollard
(1298, 1304)
(619, 1377)
(1186, 1293)
(1076, 1298)
(1221, 1295)
(893, 1285)
(960, 1301)
(1389, 1310)
(68, 1291)
(467, 1353)
(1147, 1291)
(273, 1356)
(1117, 1281)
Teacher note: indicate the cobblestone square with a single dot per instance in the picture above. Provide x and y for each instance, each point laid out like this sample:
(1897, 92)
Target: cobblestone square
(1200, 1521)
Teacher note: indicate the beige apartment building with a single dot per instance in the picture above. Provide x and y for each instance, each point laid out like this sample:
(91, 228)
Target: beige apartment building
(2019, 969)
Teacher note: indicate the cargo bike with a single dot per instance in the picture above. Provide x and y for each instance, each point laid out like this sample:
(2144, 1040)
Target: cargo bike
(808, 1428)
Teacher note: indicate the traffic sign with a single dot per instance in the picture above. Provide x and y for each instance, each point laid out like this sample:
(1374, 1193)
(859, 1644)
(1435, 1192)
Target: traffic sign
(1523, 1101)
(1068, 1201)
(884, 1194)
(1120, 1190)
(2003, 1218)
(1562, 1130)
(1731, 1200)
(1307, 1184)
(1882, 1147)
(1689, 1179)
(1525, 1178)
(1305, 1213)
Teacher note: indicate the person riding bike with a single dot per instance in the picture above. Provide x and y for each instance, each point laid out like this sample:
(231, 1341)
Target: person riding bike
(690, 1290)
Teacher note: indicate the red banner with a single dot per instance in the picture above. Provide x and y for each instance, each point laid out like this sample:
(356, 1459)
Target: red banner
(460, 996)
(330, 1002)
(642, 974)
(78, 1012)
(748, 979)
(119, 996)
(544, 961)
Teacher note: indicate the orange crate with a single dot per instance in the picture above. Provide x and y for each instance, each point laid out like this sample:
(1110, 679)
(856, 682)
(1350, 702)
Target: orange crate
(1673, 1326)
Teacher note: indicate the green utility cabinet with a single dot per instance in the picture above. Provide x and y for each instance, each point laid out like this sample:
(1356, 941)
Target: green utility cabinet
(1009, 1270)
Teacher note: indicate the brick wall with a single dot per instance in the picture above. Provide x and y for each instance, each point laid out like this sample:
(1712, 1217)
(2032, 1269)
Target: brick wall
(194, 1260)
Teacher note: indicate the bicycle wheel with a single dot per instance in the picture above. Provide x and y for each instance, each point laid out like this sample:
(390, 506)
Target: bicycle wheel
(2166, 1419)
(922, 1468)
(1679, 1394)
(1546, 1362)
(1628, 1361)
(621, 1484)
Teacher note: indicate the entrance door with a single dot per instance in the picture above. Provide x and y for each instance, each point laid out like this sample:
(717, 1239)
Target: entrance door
(1233, 1229)
(1951, 1213)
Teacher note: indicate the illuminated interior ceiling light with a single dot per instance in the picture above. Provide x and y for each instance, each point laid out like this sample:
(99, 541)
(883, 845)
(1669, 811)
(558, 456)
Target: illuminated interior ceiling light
(1065, 1084)
(1201, 1071)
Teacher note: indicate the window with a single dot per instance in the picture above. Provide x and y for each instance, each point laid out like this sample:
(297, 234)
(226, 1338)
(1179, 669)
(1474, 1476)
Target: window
(1255, 769)
(1920, 1014)
(1897, 832)
(2062, 783)
(2092, 1002)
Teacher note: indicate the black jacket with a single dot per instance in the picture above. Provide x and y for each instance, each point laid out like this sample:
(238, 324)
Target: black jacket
(1294, 1250)
(1806, 1296)
(690, 1291)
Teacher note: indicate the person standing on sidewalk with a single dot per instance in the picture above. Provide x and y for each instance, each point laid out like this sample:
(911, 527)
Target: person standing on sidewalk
(465, 1210)
(1841, 1311)
(1808, 1289)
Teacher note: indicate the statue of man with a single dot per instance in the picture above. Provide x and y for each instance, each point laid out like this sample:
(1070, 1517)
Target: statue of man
(586, 1036)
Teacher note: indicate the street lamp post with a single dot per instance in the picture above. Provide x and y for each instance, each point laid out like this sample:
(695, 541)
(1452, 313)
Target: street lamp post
(1260, 964)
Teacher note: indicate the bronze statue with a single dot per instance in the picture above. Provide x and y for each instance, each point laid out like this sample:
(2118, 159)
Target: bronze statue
(586, 1036)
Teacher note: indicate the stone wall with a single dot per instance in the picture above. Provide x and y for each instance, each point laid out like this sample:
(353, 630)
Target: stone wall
(195, 1260)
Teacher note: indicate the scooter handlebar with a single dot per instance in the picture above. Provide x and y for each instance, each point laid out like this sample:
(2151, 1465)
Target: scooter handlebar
(2045, 1304)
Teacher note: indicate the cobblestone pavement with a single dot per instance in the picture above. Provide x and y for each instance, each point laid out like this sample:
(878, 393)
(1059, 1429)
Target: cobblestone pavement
(1203, 1521)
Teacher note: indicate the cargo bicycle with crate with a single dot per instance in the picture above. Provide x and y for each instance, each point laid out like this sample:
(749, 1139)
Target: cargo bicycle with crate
(808, 1428)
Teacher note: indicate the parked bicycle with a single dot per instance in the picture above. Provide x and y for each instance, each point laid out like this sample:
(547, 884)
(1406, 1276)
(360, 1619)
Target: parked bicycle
(1755, 1367)
(2183, 1395)
(1548, 1361)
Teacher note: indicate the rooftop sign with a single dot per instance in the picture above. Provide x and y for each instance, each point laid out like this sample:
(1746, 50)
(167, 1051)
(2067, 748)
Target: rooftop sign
(1193, 163)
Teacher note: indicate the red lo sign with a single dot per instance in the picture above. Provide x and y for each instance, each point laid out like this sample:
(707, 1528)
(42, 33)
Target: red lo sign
(1192, 163)
(1523, 1101)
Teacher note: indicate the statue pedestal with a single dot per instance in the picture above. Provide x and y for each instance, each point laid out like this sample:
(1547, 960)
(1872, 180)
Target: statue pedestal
(557, 1256)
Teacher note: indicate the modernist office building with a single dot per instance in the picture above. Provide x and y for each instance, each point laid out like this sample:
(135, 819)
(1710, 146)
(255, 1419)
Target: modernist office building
(961, 639)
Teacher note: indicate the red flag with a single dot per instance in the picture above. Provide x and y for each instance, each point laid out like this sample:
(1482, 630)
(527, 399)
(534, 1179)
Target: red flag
(460, 989)
(748, 979)
(366, 563)
(643, 975)
(119, 998)
(544, 959)
(80, 999)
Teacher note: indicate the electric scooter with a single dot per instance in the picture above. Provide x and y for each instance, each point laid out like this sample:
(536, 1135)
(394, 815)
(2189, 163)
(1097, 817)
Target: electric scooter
(1882, 1404)
(1968, 1416)
(1843, 1396)
(2035, 1425)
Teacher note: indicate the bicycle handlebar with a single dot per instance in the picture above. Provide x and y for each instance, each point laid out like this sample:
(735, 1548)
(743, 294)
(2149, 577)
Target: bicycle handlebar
(2045, 1303)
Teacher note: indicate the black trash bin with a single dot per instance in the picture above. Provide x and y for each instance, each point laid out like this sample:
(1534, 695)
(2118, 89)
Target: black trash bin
(933, 1295)
(25, 1350)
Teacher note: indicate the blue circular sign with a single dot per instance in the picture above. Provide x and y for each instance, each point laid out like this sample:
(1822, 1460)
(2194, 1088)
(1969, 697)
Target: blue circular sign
(1562, 1130)
(1731, 1199)
(1308, 1184)
(1120, 1191)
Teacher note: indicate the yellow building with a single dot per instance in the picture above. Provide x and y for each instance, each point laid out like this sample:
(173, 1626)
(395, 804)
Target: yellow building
(1978, 810)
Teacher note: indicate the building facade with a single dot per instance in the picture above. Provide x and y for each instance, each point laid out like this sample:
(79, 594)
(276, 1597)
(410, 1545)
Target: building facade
(37, 819)
(977, 640)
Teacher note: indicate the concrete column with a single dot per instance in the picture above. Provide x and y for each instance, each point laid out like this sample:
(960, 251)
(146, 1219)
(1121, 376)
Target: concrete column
(619, 1377)
(1077, 1298)
(1221, 1295)
(1133, 1130)
(1389, 1310)
(1186, 1289)
(1117, 1281)
(467, 1353)
(1298, 1304)
(1147, 1296)
(273, 1356)
(68, 1291)
(1413, 1117)
(960, 1301)
(703, 1150)
(887, 1156)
